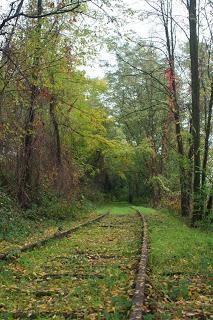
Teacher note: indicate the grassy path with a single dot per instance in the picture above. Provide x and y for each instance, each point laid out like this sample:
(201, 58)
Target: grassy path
(181, 269)
(87, 276)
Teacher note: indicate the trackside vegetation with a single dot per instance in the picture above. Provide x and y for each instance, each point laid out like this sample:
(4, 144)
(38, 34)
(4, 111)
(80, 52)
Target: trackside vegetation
(180, 268)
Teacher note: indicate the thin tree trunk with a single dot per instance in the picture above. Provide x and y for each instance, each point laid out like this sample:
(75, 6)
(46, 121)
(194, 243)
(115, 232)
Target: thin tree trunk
(175, 109)
(164, 141)
(130, 193)
(195, 89)
(55, 131)
(208, 131)
(25, 183)
(210, 201)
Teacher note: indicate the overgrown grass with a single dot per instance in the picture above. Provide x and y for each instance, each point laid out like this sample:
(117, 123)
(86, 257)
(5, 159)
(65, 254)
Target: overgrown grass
(89, 275)
(116, 208)
(181, 264)
(18, 227)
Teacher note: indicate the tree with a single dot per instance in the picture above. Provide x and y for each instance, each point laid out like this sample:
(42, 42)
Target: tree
(181, 109)
(26, 176)
(138, 96)
(195, 89)
(39, 68)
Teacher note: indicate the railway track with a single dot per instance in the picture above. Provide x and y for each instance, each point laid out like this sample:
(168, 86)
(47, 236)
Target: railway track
(39, 243)
(88, 276)
(139, 295)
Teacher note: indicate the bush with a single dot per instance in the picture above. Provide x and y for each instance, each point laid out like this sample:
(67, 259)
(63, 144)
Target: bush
(12, 222)
(16, 224)
(58, 208)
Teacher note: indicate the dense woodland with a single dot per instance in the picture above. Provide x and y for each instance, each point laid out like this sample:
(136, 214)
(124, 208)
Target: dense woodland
(143, 133)
(106, 159)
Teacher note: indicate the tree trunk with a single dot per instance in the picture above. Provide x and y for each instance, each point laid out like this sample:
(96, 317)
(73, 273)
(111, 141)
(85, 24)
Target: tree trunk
(195, 93)
(208, 131)
(210, 202)
(56, 134)
(26, 176)
(175, 109)
(130, 191)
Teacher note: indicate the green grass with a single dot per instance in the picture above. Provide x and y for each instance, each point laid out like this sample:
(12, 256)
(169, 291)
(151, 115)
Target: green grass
(116, 208)
(181, 264)
(18, 227)
(98, 264)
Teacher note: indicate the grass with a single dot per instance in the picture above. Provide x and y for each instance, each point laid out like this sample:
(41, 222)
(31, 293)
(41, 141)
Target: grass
(19, 227)
(116, 208)
(181, 269)
(89, 275)
(42, 230)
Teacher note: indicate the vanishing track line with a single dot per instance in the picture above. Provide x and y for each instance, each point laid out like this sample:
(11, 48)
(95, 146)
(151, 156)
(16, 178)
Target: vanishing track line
(139, 295)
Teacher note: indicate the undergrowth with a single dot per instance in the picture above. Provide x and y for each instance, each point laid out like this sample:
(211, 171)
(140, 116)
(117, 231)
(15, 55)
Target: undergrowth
(18, 226)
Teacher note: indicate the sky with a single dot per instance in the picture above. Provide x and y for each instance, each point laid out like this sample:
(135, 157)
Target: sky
(145, 28)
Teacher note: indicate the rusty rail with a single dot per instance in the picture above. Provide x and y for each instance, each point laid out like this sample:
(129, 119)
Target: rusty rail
(40, 243)
(139, 295)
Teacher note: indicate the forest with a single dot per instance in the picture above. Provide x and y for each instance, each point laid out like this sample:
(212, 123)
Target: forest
(106, 159)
